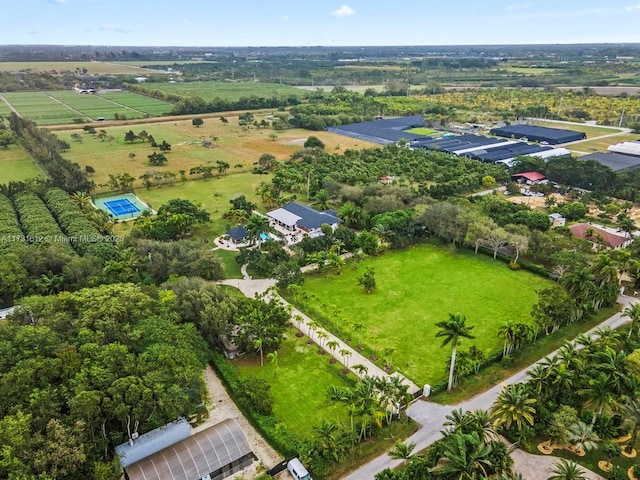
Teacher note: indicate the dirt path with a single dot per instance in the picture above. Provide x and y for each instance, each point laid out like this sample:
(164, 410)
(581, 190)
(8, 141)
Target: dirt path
(82, 115)
(222, 407)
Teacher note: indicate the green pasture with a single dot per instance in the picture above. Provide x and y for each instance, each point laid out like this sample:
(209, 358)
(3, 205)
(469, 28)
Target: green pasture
(416, 288)
(590, 130)
(16, 165)
(41, 108)
(226, 91)
(4, 108)
(299, 386)
(601, 144)
(531, 70)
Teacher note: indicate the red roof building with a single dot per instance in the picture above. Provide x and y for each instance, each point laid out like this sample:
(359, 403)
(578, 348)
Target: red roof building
(532, 177)
(591, 233)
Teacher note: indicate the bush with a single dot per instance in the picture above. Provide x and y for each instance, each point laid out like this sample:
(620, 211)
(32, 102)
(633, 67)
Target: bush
(513, 265)
(616, 473)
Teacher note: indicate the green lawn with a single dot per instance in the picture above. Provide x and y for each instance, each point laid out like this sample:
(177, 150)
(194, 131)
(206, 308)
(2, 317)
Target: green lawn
(225, 90)
(213, 194)
(421, 131)
(416, 288)
(600, 145)
(231, 267)
(15, 165)
(300, 386)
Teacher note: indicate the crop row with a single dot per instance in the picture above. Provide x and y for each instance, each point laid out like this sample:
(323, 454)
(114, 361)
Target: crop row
(38, 223)
(85, 236)
(10, 231)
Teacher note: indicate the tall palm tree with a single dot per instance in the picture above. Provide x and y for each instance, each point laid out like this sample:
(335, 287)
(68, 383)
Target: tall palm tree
(345, 355)
(578, 283)
(605, 270)
(599, 394)
(539, 380)
(582, 437)
(507, 331)
(82, 200)
(350, 213)
(631, 410)
(257, 224)
(513, 405)
(464, 457)
(326, 438)
(273, 359)
(322, 200)
(633, 313)
(567, 470)
(453, 330)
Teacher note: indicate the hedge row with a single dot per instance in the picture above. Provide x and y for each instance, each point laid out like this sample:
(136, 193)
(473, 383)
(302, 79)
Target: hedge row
(269, 426)
(10, 231)
(84, 235)
(531, 267)
(38, 223)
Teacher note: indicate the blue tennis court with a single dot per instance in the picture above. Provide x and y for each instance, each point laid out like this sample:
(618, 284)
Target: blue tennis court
(121, 206)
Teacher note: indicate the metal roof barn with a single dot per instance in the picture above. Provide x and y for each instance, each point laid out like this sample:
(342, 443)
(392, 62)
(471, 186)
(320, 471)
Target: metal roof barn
(553, 136)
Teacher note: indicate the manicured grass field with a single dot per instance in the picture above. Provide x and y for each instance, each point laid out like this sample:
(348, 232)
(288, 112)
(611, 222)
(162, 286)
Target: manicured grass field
(300, 385)
(415, 289)
(590, 130)
(234, 147)
(62, 106)
(226, 91)
(600, 145)
(231, 267)
(15, 165)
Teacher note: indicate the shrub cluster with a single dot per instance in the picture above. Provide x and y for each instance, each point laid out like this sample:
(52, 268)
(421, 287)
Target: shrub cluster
(9, 225)
(38, 223)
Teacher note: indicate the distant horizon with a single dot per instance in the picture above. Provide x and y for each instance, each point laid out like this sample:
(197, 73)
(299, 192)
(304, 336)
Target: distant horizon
(332, 23)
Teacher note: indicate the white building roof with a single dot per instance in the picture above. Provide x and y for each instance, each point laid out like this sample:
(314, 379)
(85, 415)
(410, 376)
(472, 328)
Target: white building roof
(284, 216)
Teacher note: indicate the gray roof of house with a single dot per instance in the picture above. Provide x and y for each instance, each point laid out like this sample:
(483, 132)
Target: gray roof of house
(310, 218)
(153, 441)
(194, 457)
(615, 161)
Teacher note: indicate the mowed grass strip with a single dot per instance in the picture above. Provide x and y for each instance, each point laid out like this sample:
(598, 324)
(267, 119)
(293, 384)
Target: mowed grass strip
(590, 130)
(601, 144)
(16, 165)
(300, 385)
(418, 287)
(226, 91)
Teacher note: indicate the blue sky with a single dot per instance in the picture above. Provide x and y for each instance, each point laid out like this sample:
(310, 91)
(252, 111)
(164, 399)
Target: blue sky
(321, 22)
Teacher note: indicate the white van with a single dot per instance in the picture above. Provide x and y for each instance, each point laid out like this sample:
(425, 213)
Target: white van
(298, 471)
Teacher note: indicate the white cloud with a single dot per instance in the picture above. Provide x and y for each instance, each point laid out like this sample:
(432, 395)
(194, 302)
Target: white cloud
(631, 8)
(59, 1)
(343, 11)
(284, 18)
(512, 8)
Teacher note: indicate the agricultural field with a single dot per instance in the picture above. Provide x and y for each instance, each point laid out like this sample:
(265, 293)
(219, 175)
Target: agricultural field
(422, 131)
(225, 91)
(4, 108)
(92, 68)
(601, 144)
(531, 70)
(233, 146)
(16, 165)
(416, 288)
(63, 106)
(300, 384)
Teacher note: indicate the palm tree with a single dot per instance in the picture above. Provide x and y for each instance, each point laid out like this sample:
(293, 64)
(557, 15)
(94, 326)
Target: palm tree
(633, 313)
(257, 224)
(483, 424)
(582, 437)
(322, 200)
(345, 355)
(402, 451)
(332, 345)
(82, 200)
(464, 457)
(578, 283)
(514, 405)
(599, 394)
(322, 336)
(350, 213)
(539, 380)
(273, 359)
(507, 330)
(361, 369)
(453, 330)
(257, 344)
(567, 470)
(326, 440)
(605, 270)
(631, 410)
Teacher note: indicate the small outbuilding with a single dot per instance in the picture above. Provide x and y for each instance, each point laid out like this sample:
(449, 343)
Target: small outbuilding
(237, 235)
(530, 178)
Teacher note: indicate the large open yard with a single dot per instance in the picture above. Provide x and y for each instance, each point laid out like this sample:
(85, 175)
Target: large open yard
(416, 288)
(601, 144)
(238, 148)
(226, 90)
(15, 165)
(300, 385)
(591, 130)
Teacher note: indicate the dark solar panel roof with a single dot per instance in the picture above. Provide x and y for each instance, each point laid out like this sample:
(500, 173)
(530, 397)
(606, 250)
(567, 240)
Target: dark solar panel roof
(534, 133)
(196, 456)
(615, 161)
(382, 131)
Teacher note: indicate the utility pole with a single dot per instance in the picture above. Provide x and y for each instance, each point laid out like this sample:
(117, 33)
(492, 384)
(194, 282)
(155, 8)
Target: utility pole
(624, 107)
